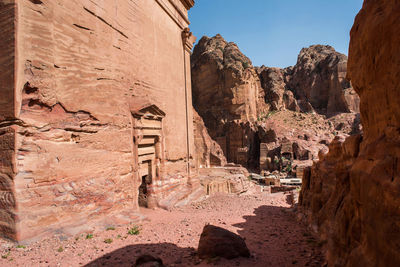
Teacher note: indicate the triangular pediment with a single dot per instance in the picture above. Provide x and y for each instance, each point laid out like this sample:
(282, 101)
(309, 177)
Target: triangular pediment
(142, 107)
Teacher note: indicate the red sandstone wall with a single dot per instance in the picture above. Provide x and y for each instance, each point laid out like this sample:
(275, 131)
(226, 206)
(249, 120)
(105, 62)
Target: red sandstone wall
(80, 62)
(7, 173)
(7, 58)
(352, 194)
(7, 132)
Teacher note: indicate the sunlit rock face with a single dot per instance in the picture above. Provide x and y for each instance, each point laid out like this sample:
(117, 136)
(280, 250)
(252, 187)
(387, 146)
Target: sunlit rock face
(316, 83)
(241, 104)
(227, 94)
(225, 85)
(96, 100)
(319, 77)
(352, 195)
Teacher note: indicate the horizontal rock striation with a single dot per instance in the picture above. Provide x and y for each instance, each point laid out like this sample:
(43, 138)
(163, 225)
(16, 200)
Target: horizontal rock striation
(8, 208)
(70, 135)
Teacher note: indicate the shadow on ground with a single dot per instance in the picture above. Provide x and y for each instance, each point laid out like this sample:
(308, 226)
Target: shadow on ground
(273, 235)
(127, 256)
(278, 239)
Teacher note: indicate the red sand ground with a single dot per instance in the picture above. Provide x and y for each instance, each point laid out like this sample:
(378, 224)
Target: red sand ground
(267, 222)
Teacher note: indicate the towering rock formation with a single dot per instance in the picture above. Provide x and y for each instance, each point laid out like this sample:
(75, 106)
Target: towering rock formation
(238, 102)
(319, 77)
(226, 87)
(352, 195)
(274, 83)
(227, 94)
(316, 83)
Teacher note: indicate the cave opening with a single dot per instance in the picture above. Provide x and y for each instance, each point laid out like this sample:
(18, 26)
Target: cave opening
(254, 153)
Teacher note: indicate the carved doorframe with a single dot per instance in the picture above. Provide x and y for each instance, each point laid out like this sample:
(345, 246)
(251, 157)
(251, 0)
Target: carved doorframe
(148, 146)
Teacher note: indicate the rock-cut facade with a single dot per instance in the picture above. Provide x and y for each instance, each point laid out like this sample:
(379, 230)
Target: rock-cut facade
(95, 112)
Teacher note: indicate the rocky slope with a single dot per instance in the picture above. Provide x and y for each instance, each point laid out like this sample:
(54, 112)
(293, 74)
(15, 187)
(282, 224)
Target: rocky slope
(244, 107)
(351, 195)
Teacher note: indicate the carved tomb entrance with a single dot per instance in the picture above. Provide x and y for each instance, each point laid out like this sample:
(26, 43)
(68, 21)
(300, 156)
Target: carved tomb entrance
(147, 129)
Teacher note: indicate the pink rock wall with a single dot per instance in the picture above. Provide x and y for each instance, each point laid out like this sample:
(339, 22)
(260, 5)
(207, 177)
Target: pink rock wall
(7, 131)
(7, 59)
(79, 65)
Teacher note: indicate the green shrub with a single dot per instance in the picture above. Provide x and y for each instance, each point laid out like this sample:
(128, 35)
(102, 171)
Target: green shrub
(134, 230)
(108, 241)
(89, 236)
(288, 167)
(5, 256)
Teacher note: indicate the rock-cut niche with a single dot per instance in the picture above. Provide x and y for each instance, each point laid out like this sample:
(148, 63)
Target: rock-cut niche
(148, 147)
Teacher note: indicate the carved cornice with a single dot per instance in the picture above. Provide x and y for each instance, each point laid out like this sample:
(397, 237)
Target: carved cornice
(172, 14)
(188, 3)
(188, 39)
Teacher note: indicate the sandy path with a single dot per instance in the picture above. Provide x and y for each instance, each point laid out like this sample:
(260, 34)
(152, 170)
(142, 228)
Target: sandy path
(266, 221)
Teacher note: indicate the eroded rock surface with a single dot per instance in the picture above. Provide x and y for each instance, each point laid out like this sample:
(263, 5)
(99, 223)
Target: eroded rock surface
(253, 113)
(208, 152)
(351, 195)
(225, 85)
(74, 144)
(319, 77)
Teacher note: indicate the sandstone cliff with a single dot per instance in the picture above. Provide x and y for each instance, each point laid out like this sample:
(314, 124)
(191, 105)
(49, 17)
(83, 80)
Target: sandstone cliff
(227, 94)
(208, 152)
(352, 195)
(74, 151)
(317, 82)
(243, 106)
(319, 77)
(225, 84)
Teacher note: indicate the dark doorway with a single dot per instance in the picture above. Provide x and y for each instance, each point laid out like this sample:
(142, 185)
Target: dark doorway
(254, 152)
(143, 192)
(147, 174)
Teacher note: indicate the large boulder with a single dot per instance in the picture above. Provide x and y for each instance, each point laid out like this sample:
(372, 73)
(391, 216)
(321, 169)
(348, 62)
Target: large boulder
(219, 242)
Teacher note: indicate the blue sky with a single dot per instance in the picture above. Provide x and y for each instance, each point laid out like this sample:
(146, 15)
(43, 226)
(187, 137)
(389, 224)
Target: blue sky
(272, 32)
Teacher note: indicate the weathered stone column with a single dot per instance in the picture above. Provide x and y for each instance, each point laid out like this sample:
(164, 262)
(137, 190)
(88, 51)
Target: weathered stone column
(188, 41)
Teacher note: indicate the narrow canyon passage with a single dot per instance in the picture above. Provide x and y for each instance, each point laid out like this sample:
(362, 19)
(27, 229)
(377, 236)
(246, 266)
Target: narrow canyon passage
(266, 221)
